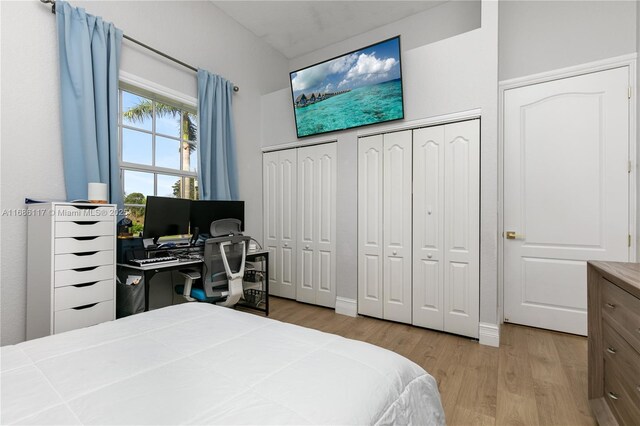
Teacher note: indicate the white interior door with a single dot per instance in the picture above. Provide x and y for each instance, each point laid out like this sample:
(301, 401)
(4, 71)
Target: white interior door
(462, 228)
(270, 224)
(279, 197)
(317, 184)
(428, 227)
(370, 243)
(566, 193)
(307, 229)
(397, 226)
(325, 248)
(287, 209)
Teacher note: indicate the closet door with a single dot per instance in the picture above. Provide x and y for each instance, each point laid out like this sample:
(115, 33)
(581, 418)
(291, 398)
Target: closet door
(462, 228)
(325, 247)
(428, 227)
(397, 226)
(316, 225)
(280, 209)
(370, 245)
(270, 168)
(287, 211)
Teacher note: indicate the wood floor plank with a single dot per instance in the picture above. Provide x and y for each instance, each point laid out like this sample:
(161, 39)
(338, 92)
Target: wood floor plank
(536, 377)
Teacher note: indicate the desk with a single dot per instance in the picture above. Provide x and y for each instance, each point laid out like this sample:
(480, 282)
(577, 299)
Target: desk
(148, 272)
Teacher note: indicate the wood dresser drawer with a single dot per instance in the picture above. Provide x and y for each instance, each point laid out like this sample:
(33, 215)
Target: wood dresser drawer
(624, 406)
(623, 356)
(622, 310)
(88, 213)
(85, 229)
(83, 275)
(83, 316)
(83, 260)
(75, 245)
(73, 296)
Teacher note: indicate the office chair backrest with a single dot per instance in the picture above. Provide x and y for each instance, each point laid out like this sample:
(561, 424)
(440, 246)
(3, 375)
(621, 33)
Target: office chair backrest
(215, 276)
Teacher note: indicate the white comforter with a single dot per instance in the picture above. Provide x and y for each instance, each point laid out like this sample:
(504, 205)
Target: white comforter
(197, 363)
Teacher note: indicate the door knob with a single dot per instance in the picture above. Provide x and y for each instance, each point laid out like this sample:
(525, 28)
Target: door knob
(511, 235)
(286, 244)
(395, 252)
(306, 247)
(429, 256)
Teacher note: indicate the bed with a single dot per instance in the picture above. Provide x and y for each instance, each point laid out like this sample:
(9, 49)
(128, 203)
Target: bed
(197, 363)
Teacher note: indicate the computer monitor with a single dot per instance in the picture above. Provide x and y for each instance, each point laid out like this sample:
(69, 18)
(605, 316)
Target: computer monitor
(203, 212)
(166, 216)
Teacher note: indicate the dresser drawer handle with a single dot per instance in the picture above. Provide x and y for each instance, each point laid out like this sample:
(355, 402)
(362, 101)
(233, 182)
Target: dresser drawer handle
(85, 223)
(86, 253)
(88, 268)
(90, 305)
(85, 284)
(610, 305)
(611, 350)
(613, 396)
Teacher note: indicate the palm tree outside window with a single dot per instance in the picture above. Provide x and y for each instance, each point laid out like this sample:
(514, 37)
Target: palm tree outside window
(158, 150)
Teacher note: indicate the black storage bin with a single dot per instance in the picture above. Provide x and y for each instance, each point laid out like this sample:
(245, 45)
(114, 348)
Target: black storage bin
(129, 298)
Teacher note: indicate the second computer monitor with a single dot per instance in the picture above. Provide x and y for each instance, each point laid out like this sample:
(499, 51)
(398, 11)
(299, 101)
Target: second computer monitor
(203, 212)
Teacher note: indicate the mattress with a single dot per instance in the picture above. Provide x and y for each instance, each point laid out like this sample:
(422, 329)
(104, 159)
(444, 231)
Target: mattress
(197, 363)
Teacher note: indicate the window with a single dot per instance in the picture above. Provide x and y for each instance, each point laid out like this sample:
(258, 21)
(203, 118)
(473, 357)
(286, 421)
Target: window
(158, 142)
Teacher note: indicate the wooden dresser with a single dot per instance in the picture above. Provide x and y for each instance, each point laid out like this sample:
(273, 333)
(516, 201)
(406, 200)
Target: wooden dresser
(614, 342)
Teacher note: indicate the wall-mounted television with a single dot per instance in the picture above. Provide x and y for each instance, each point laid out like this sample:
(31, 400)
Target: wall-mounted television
(356, 89)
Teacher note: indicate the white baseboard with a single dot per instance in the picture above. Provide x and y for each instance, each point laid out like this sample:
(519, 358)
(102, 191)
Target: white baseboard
(489, 334)
(346, 306)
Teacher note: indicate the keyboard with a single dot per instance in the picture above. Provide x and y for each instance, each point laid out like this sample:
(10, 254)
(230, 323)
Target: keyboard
(154, 261)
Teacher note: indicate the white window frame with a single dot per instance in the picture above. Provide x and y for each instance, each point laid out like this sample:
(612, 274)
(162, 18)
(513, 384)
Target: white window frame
(156, 92)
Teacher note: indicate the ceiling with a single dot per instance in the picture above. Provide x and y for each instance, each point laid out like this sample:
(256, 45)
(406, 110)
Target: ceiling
(299, 27)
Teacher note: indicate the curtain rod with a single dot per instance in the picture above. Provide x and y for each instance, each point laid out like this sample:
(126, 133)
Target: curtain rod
(146, 46)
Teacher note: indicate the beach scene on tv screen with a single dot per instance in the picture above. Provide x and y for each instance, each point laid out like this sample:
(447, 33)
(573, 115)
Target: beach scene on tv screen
(360, 88)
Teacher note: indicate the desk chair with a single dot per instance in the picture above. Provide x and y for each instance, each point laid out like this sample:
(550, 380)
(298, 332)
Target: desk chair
(222, 271)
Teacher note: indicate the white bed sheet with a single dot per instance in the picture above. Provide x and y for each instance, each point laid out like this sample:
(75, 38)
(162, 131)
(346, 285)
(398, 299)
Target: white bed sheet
(197, 363)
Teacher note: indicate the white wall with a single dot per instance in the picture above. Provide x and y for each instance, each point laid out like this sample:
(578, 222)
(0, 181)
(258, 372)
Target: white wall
(538, 36)
(451, 74)
(31, 157)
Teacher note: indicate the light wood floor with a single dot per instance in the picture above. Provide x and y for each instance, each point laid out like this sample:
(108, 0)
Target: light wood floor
(535, 377)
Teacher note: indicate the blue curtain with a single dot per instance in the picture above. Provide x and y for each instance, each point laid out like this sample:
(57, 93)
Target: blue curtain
(89, 50)
(217, 168)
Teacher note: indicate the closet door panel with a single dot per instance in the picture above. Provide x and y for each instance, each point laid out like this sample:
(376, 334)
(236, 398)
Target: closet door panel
(287, 222)
(270, 207)
(370, 236)
(397, 226)
(325, 251)
(462, 228)
(428, 227)
(307, 212)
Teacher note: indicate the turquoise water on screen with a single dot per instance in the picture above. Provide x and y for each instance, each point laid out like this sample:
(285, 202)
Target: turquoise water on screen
(364, 105)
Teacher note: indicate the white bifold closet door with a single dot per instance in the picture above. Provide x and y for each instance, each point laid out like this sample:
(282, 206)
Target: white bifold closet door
(384, 226)
(316, 271)
(280, 210)
(446, 225)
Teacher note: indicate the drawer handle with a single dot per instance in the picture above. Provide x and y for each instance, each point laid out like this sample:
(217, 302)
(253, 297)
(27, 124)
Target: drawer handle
(614, 396)
(610, 305)
(90, 305)
(85, 223)
(88, 268)
(86, 253)
(85, 284)
(84, 238)
(611, 350)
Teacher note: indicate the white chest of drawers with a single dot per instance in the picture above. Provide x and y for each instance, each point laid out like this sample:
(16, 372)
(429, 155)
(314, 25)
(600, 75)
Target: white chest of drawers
(70, 266)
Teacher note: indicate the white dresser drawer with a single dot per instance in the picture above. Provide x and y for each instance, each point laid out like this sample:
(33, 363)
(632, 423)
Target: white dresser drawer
(73, 296)
(73, 318)
(88, 213)
(84, 229)
(73, 276)
(74, 245)
(83, 260)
